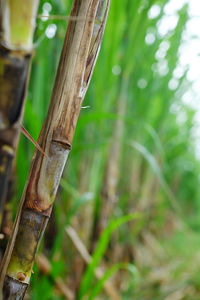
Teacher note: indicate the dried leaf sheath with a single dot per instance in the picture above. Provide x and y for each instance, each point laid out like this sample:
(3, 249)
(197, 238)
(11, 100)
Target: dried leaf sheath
(56, 139)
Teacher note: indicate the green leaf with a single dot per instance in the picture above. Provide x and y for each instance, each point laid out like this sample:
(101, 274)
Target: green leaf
(110, 272)
(100, 250)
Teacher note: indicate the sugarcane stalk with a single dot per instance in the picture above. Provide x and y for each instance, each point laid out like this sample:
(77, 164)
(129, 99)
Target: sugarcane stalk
(16, 35)
(79, 54)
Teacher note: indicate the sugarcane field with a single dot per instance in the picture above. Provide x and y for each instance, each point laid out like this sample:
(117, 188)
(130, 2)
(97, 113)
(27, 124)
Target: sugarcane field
(99, 150)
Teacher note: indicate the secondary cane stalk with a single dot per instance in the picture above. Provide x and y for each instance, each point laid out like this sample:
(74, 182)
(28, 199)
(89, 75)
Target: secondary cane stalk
(16, 35)
(111, 173)
(79, 54)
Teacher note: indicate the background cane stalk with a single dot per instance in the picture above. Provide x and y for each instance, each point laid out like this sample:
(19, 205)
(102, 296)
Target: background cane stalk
(17, 29)
(80, 51)
(109, 196)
